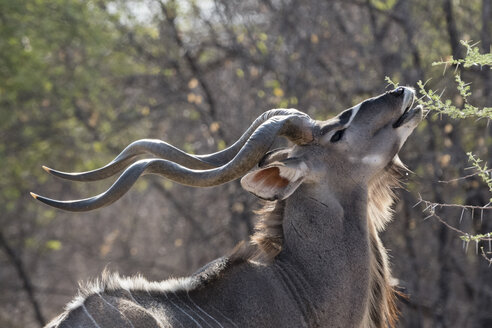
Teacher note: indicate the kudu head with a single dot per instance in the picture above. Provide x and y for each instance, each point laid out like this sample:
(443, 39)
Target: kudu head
(346, 150)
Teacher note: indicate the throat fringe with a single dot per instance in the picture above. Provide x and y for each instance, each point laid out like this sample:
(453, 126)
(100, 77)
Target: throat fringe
(266, 243)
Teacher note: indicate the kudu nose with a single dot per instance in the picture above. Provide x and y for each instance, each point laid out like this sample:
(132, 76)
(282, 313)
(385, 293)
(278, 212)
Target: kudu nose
(398, 91)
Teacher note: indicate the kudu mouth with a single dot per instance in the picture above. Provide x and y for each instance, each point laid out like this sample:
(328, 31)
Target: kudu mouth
(409, 113)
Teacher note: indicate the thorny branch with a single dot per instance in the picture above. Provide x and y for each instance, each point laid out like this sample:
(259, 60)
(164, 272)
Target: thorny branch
(488, 257)
(431, 209)
(464, 177)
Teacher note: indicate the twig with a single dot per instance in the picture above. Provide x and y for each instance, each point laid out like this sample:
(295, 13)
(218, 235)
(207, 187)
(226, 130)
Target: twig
(430, 208)
(484, 255)
(433, 205)
(440, 219)
(462, 178)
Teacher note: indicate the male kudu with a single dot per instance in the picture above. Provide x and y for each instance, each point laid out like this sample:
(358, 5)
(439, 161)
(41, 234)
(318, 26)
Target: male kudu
(316, 259)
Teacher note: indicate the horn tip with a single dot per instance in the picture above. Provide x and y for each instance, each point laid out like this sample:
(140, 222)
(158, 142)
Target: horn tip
(47, 169)
(34, 195)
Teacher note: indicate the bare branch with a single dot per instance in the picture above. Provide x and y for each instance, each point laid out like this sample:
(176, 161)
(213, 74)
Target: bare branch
(462, 178)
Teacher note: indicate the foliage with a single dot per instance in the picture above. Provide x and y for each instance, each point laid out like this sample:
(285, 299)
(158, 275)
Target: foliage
(483, 171)
(55, 87)
(62, 65)
(432, 101)
(473, 57)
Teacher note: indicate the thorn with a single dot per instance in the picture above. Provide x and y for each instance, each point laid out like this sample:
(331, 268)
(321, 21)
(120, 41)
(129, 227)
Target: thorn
(34, 195)
(420, 201)
(476, 246)
(429, 216)
(426, 82)
(462, 211)
(456, 69)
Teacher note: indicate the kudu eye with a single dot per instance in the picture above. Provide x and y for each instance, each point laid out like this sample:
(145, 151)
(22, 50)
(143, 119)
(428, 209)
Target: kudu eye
(337, 136)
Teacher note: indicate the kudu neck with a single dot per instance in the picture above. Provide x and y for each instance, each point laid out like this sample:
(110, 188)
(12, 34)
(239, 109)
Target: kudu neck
(326, 242)
(332, 227)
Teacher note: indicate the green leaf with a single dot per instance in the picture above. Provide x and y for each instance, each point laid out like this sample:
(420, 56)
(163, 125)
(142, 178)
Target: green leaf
(383, 5)
(53, 245)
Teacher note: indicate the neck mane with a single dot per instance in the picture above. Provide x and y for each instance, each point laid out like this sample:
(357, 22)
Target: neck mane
(266, 243)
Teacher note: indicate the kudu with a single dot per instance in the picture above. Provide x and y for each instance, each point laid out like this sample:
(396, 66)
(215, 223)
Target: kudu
(315, 260)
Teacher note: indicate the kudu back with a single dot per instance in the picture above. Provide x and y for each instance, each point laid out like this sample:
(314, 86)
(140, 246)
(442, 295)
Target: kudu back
(315, 260)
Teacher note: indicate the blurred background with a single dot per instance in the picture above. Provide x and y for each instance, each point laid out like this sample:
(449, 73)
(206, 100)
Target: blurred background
(80, 80)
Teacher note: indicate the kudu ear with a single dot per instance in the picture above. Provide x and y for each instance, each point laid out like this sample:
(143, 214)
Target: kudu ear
(276, 181)
(276, 155)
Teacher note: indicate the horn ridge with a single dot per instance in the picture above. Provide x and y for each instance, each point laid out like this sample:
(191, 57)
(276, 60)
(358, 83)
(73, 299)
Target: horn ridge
(294, 127)
(126, 157)
(167, 151)
(116, 191)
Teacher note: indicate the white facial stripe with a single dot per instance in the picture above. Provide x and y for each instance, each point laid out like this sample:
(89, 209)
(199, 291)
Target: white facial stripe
(355, 110)
(373, 160)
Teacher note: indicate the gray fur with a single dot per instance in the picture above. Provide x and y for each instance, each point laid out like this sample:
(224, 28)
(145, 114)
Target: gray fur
(316, 259)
